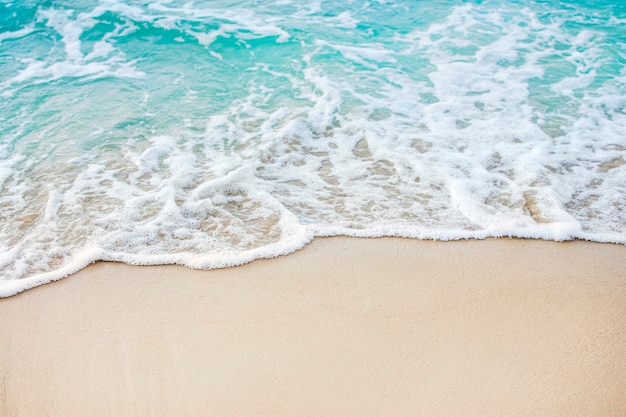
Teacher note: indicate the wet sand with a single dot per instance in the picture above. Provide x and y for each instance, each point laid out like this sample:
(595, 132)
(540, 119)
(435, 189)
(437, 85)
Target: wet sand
(344, 327)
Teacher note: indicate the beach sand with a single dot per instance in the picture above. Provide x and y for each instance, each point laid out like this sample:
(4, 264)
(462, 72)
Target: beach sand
(344, 327)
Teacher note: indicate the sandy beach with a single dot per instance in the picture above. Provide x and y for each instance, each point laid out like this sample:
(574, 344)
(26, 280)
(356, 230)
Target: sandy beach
(344, 327)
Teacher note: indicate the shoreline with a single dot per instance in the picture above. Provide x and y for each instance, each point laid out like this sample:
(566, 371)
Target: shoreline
(344, 326)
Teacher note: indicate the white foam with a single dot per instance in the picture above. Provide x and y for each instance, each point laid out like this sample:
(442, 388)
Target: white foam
(242, 23)
(359, 53)
(17, 34)
(359, 144)
(76, 63)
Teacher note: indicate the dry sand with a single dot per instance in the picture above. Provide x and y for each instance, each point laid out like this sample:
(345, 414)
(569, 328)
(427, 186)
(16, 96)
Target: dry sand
(345, 327)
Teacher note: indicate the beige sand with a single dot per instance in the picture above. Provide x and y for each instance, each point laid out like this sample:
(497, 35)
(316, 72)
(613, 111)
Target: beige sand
(345, 327)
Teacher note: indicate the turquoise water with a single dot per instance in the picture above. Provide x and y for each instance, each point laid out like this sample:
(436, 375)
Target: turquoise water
(212, 133)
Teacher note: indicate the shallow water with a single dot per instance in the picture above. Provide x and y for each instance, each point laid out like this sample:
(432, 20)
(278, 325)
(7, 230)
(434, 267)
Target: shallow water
(211, 133)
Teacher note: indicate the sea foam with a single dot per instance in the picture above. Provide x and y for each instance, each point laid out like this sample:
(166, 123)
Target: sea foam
(210, 134)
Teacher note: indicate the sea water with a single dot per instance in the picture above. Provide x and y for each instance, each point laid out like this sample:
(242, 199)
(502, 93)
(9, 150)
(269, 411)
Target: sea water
(211, 133)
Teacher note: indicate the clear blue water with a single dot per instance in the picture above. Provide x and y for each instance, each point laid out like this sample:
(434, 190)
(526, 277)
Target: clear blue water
(212, 133)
